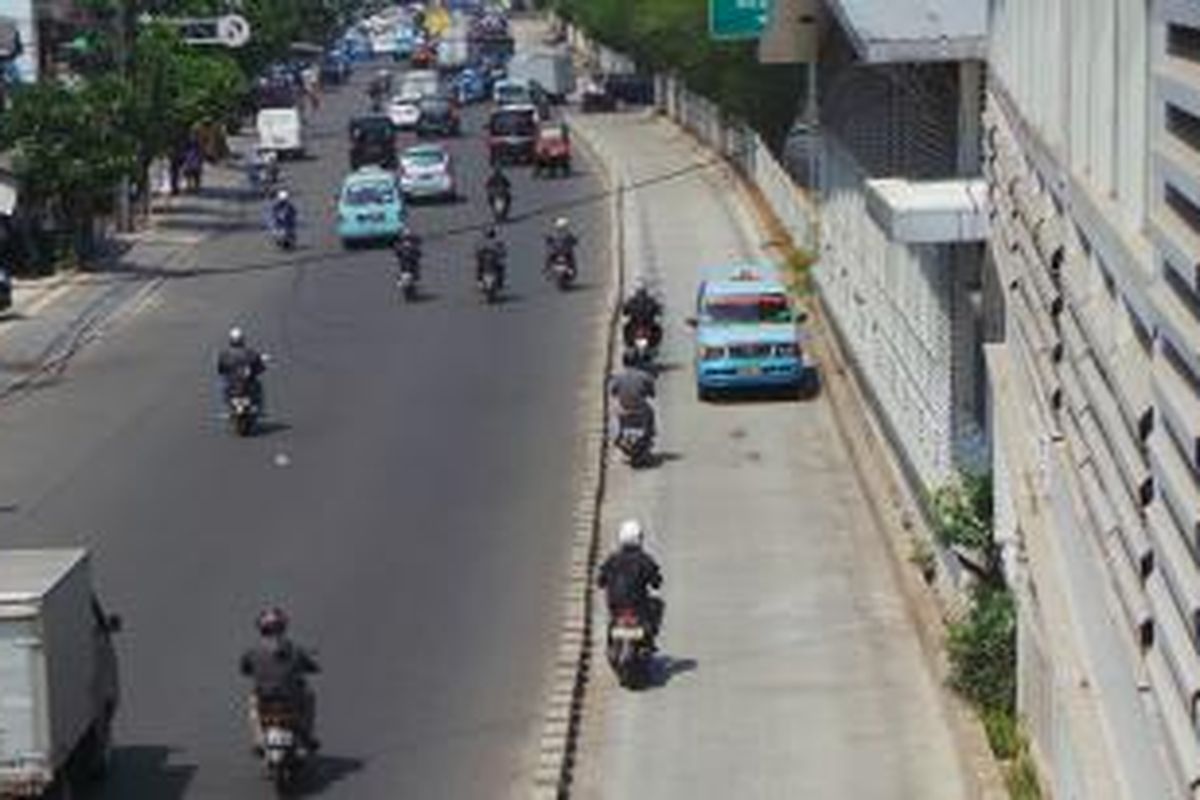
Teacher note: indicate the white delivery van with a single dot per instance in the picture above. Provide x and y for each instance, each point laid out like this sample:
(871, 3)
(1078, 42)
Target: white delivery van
(58, 671)
(280, 130)
(552, 70)
(453, 53)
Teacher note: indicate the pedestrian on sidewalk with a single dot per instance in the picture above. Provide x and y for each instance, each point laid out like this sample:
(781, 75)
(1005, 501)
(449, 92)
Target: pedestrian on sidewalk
(193, 163)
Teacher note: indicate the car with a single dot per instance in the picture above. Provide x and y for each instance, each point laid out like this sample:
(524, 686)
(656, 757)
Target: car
(404, 111)
(552, 150)
(335, 68)
(747, 333)
(427, 171)
(370, 207)
(372, 141)
(405, 42)
(512, 92)
(512, 131)
(424, 57)
(470, 86)
(421, 83)
(438, 117)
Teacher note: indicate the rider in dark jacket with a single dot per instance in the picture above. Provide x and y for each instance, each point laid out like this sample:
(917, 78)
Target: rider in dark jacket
(279, 669)
(283, 212)
(642, 308)
(408, 251)
(241, 367)
(498, 184)
(490, 251)
(628, 575)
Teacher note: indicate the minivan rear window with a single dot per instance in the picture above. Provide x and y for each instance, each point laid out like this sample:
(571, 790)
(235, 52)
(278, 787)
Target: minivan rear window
(512, 123)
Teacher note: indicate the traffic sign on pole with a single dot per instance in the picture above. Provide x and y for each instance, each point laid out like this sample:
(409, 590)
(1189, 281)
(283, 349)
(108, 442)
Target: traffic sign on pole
(737, 19)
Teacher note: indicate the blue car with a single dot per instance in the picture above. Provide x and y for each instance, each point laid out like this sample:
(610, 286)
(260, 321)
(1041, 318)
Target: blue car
(747, 333)
(406, 43)
(370, 207)
(471, 86)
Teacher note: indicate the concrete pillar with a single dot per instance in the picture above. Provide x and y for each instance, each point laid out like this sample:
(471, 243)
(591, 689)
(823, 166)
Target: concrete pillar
(970, 113)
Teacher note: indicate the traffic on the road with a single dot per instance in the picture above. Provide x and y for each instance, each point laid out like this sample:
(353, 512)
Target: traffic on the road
(425, 145)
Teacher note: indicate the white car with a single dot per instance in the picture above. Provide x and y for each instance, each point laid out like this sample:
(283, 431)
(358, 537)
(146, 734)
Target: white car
(426, 171)
(405, 110)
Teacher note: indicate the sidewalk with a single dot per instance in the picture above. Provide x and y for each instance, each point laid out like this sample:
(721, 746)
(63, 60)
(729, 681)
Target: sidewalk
(51, 318)
(790, 667)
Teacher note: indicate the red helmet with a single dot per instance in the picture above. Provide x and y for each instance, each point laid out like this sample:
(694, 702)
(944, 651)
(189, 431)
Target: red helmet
(272, 622)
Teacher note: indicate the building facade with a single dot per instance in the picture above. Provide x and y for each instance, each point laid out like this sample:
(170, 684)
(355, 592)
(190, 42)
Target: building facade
(1092, 157)
(899, 91)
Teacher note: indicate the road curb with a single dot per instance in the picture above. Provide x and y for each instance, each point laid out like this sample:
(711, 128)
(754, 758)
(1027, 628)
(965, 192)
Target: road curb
(563, 711)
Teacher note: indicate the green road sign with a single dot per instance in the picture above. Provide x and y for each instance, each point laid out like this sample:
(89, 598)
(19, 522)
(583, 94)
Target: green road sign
(737, 19)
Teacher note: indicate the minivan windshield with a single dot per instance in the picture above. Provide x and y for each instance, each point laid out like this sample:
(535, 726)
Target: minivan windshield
(761, 307)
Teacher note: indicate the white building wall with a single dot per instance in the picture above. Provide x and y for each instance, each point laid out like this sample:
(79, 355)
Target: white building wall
(896, 306)
(1085, 169)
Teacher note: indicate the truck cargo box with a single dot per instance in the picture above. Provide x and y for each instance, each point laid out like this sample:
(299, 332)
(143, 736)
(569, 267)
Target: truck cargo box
(57, 670)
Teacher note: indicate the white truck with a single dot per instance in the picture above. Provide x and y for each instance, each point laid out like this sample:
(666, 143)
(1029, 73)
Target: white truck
(281, 131)
(453, 53)
(58, 673)
(552, 70)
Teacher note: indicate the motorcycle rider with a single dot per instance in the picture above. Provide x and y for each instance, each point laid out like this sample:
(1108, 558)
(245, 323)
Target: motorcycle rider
(628, 575)
(561, 243)
(238, 363)
(498, 185)
(283, 213)
(642, 309)
(279, 668)
(490, 253)
(408, 252)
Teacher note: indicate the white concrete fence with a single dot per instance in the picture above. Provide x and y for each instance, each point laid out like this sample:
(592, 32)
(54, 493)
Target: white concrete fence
(741, 146)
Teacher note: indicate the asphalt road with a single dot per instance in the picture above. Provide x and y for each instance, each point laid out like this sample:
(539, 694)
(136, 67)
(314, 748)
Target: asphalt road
(409, 502)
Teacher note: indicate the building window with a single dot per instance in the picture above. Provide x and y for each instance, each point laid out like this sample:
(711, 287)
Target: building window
(1183, 41)
(1187, 211)
(1183, 291)
(1184, 126)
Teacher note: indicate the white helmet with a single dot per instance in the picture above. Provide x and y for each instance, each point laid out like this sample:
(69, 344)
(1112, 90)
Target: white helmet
(236, 337)
(561, 223)
(630, 534)
(282, 195)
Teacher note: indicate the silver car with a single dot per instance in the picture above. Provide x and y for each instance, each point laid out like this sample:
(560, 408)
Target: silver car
(426, 172)
(404, 111)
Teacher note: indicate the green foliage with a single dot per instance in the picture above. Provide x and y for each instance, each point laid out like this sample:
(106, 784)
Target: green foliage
(672, 35)
(70, 144)
(962, 517)
(983, 651)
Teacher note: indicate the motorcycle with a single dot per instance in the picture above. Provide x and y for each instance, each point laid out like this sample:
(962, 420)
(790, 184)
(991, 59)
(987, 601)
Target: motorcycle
(561, 270)
(634, 438)
(640, 349)
(489, 284)
(407, 282)
(500, 202)
(282, 754)
(244, 410)
(284, 235)
(629, 649)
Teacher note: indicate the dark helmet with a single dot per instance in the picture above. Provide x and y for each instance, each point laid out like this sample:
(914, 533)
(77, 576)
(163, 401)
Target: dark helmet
(272, 622)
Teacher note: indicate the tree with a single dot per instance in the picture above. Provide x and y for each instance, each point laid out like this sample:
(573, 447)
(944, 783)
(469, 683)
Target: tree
(672, 36)
(70, 148)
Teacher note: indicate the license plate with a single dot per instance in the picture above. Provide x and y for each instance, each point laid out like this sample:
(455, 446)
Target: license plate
(370, 218)
(630, 634)
(278, 737)
(751, 370)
